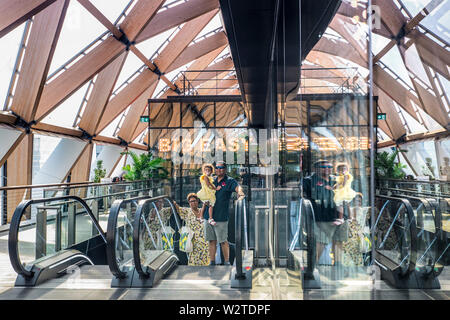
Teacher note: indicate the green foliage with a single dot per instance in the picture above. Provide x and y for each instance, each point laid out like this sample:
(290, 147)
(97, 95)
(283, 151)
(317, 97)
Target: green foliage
(144, 167)
(99, 171)
(386, 167)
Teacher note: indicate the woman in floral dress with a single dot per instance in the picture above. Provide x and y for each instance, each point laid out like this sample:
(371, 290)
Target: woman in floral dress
(192, 216)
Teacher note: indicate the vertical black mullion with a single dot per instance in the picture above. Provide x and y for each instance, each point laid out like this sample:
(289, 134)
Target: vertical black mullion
(308, 128)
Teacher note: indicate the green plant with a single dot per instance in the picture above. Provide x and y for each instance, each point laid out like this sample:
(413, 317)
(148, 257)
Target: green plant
(144, 167)
(99, 172)
(386, 167)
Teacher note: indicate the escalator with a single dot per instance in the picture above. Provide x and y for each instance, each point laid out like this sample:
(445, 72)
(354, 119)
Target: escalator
(54, 246)
(143, 250)
(406, 243)
(302, 249)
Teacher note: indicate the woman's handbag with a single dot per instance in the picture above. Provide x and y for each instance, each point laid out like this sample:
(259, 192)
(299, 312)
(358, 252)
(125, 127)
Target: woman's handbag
(165, 238)
(186, 235)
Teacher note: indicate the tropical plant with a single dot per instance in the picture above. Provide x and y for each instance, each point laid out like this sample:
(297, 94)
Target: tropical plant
(99, 172)
(386, 167)
(144, 166)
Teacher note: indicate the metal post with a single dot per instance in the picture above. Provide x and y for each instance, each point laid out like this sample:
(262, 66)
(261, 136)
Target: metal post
(4, 195)
(148, 129)
(58, 229)
(71, 224)
(41, 233)
(96, 215)
(372, 137)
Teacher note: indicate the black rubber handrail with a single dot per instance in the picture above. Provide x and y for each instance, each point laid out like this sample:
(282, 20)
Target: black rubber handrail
(412, 231)
(239, 214)
(311, 240)
(137, 231)
(111, 235)
(13, 238)
(306, 220)
(430, 204)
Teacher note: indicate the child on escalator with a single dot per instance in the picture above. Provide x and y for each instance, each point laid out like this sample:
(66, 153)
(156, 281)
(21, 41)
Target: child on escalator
(343, 192)
(207, 193)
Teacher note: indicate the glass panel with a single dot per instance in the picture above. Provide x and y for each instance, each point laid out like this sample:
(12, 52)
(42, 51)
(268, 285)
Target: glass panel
(392, 235)
(124, 235)
(53, 226)
(155, 232)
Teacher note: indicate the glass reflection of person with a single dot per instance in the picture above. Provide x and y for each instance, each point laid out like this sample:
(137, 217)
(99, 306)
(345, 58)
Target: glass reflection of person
(318, 188)
(343, 192)
(150, 241)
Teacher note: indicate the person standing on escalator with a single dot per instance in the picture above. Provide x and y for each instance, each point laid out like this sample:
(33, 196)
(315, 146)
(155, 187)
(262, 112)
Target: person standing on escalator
(318, 188)
(225, 186)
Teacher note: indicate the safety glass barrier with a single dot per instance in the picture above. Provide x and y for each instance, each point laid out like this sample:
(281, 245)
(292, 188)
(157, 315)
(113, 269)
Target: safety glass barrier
(156, 225)
(303, 245)
(395, 233)
(427, 215)
(119, 235)
(41, 228)
(444, 205)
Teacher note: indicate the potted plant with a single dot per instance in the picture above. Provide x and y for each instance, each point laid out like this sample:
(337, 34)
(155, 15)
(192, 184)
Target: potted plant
(386, 167)
(99, 171)
(144, 166)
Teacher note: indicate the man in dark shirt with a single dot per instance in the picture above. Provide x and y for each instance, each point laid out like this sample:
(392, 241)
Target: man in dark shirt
(319, 189)
(225, 186)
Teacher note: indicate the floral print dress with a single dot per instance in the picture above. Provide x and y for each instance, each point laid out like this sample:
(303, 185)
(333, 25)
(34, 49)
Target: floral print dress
(200, 253)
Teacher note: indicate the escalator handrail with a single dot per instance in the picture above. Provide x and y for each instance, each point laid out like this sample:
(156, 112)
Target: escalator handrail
(311, 241)
(13, 238)
(306, 210)
(412, 229)
(111, 235)
(429, 204)
(238, 211)
(136, 229)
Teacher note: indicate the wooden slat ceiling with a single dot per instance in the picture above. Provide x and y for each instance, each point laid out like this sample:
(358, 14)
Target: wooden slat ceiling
(35, 97)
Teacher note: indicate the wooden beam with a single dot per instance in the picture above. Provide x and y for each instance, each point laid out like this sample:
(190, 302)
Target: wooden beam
(13, 13)
(99, 97)
(391, 15)
(77, 75)
(173, 49)
(182, 39)
(175, 16)
(39, 51)
(410, 25)
(126, 97)
(131, 121)
(97, 59)
(197, 66)
(395, 90)
(196, 50)
(439, 134)
(100, 17)
(342, 27)
(139, 17)
(132, 118)
(13, 147)
(340, 49)
(81, 170)
(19, 168)
(393, 121)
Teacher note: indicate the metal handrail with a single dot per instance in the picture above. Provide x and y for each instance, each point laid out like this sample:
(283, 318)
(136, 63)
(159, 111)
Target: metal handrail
(239, 212)
(70, 185)
(111, 235)
(137, 228)
(13, 238)
(412, 230)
